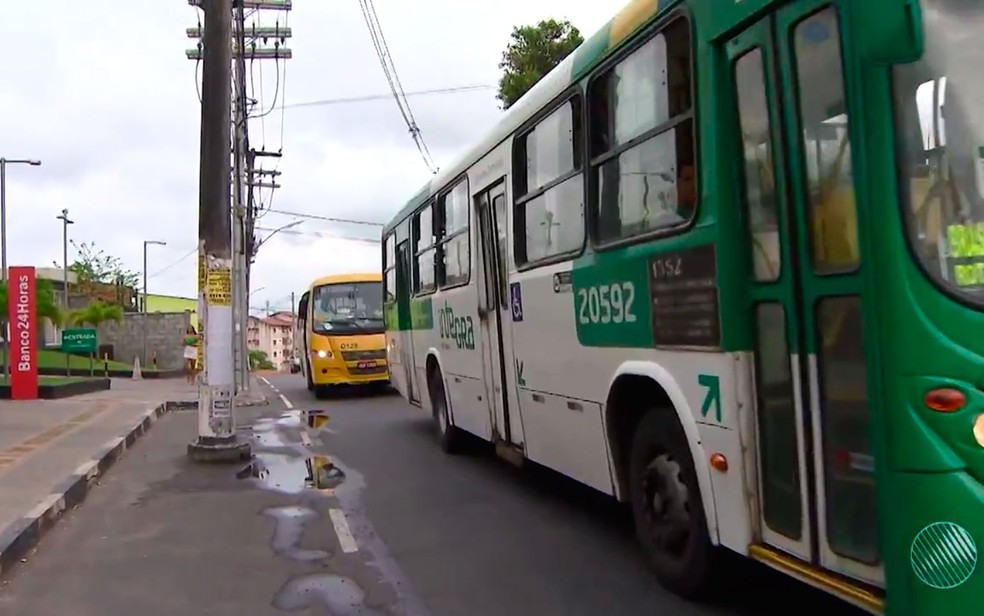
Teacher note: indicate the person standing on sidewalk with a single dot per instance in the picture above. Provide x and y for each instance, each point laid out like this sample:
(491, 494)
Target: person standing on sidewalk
(191, 342)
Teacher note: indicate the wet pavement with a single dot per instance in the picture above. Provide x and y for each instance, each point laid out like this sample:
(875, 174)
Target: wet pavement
(363, 516)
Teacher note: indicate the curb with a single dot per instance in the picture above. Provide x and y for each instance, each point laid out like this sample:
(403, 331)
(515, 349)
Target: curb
(23, 535)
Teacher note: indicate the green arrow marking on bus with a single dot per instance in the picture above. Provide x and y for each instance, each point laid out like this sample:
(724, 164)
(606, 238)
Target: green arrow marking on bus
(713, 396)
(519, 374)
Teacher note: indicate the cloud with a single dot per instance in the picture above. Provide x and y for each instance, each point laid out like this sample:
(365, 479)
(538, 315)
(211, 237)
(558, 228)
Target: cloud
(102, 92)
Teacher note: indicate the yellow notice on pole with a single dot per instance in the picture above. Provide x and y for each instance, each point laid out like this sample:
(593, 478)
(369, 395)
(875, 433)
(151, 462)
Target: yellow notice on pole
(219, 292)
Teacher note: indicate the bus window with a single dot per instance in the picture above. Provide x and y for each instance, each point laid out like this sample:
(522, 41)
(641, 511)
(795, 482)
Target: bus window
(642, 138)
(425, 251)
(827, 145)
(389, 268)
(760, 195)
(940, 118)
(455, 254)
(549, 187)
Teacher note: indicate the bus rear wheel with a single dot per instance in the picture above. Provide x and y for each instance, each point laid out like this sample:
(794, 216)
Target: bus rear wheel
(667, 506)
(448, 436)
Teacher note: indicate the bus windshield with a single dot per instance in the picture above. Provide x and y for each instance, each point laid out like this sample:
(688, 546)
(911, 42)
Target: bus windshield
(347, 308)
(940, 113)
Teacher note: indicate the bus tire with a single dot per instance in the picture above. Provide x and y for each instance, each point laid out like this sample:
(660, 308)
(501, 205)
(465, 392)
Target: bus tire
(307, 375)
(667, 506)
(449, 437)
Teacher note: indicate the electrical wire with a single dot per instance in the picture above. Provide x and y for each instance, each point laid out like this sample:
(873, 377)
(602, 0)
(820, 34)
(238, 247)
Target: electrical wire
(374, 97)
(389, 72)
(326, 218)
(322, 235)
(174, 263)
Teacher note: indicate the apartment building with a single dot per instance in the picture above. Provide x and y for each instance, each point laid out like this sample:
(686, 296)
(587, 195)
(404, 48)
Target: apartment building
(274, 335)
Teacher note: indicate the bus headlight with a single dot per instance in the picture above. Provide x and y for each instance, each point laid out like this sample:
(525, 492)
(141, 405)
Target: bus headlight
(324, 354)
(979, 430)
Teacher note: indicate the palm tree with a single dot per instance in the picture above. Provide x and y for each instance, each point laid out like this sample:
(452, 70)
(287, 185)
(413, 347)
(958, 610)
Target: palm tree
(45, 300)
(96, 313)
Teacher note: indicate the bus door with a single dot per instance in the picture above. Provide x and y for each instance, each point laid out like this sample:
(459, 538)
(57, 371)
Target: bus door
(494, 315)
(404, 261)
(816, 470)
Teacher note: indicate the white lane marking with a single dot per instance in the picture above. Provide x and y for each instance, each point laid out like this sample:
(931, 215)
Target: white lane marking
(264, 379)
(286, 402)
(306, 438)
(345, 538)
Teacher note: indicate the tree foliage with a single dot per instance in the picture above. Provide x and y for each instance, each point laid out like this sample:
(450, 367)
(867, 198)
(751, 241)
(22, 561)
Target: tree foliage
(93, 265)
(96, 313)
(46, 302)
(259, 359)
(532, 52)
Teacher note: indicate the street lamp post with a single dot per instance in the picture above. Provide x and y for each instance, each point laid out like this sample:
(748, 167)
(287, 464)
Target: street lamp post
(143, 299)
(3, 242)
(65, 222)
(244, 295)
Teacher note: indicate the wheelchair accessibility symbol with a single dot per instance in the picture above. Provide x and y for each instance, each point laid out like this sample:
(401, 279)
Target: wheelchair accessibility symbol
(516, 296)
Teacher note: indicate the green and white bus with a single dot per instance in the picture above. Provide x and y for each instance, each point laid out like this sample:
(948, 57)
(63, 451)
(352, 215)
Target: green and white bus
(726, 263)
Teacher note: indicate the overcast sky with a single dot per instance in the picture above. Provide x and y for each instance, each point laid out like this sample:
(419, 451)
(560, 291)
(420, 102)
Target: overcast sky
(102, 93)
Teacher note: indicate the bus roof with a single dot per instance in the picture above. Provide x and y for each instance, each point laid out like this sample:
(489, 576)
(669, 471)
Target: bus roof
(343, 278)
(590, 53)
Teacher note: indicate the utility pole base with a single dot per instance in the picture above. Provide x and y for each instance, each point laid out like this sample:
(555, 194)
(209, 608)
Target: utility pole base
(206, 450)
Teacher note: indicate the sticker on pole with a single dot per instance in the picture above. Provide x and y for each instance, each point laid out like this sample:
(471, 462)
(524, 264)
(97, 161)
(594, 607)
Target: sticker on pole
(221, 402)
(219, 292)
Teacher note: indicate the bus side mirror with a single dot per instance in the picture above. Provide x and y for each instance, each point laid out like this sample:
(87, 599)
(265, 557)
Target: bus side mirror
(898, 36)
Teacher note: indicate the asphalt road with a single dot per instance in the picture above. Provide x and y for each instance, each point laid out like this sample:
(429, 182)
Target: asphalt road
(399, 528)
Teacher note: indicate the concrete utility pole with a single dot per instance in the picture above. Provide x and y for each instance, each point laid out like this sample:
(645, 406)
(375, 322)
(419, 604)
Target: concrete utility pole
(143, 302)
(217, 440)
(239, 353)
(248, 40)
(3, 244)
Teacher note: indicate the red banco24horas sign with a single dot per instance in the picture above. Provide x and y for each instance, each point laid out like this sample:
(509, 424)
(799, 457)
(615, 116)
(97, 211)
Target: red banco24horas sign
(22, 316)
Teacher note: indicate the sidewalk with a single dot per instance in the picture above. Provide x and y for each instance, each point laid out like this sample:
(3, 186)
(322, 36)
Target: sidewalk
(53, 451)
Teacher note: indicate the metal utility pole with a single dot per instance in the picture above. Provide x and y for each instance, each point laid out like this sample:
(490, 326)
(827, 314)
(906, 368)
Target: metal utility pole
(65, 222)
(217, 440)
(143, 302)
(3, 245)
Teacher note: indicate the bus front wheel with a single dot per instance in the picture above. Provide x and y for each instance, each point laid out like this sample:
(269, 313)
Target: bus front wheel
(667, 506)
(307, 375)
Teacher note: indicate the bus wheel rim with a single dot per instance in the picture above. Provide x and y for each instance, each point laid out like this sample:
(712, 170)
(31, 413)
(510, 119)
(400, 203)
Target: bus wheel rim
(667, 506)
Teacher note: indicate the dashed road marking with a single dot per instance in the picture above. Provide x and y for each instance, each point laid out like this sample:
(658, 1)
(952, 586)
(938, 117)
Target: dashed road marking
(345, 538)
(264, 379)
(286, 402)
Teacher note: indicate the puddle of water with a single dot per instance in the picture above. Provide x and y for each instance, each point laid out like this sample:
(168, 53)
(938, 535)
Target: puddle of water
(292, 475)
(283, 472)
(340, 595)
(288, 532)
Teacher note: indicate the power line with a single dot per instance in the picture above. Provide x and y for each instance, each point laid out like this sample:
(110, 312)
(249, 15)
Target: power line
(174, 263)
(375, 97)
(326, 218)
(322, 235)
(389, 71)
